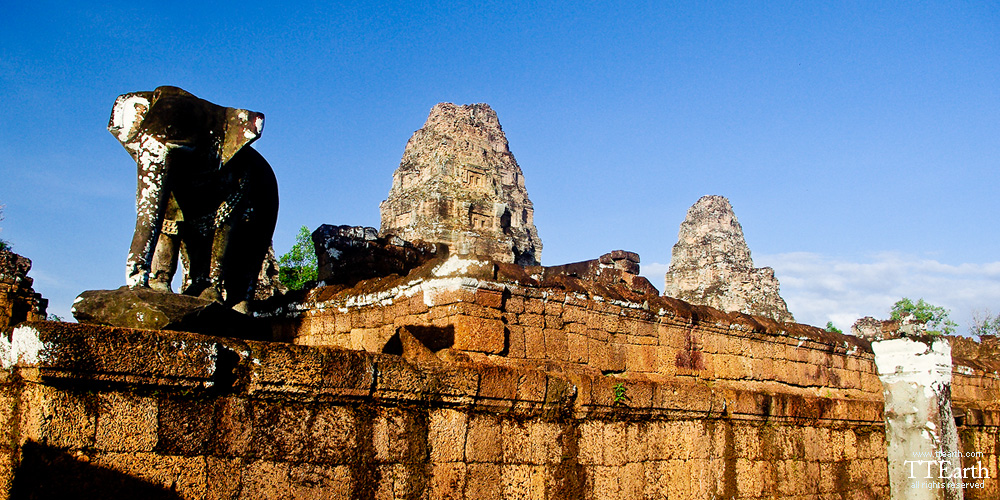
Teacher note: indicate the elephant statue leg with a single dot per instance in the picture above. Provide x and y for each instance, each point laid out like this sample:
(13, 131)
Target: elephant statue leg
(247, 239)
(151, 203)
(197, 241)
(164, 264)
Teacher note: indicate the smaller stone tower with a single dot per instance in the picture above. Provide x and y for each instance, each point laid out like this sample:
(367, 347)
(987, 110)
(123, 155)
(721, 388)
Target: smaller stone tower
(18, 301)
(711, 265)
(459, 184)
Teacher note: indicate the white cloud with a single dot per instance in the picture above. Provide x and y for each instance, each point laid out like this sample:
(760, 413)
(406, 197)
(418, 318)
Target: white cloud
(820, 288)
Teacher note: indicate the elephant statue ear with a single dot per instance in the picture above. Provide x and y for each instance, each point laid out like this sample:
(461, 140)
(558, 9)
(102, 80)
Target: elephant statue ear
(242, 128)
(126, 118)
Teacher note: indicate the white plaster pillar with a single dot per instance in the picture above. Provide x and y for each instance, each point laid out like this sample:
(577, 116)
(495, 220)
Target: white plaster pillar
(920, 434)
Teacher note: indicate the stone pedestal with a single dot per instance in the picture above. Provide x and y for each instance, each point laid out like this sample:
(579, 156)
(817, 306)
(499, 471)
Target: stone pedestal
(156, 310)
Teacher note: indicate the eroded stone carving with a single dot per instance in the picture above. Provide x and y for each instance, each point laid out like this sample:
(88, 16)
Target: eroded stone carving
(202, 193)
(18, 301)
(711, 265)
(459, 184)
(348, 254)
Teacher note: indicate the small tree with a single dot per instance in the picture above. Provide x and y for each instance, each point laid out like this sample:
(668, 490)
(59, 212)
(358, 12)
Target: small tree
(934, 317)
(298, 266)
(985, 323)
(832, 329)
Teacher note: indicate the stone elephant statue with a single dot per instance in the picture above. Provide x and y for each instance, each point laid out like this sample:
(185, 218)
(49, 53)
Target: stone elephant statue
(203, 194)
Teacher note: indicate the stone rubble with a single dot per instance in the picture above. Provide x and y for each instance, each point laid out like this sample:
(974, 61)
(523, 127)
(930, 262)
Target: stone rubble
(349, 254)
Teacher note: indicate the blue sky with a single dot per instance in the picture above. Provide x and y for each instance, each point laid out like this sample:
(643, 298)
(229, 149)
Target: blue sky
(858, 142)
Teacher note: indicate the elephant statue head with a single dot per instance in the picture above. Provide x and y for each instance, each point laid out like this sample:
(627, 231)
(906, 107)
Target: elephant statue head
(201, 190)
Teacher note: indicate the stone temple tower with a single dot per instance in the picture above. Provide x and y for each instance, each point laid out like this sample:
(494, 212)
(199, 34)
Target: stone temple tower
(459, 184)
(711, 265)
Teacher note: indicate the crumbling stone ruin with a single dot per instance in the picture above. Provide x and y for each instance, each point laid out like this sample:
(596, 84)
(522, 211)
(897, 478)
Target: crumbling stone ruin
(18, 301)
(711, 265)
(349, 254)
(268, 284)
(458, 184)
(418, 369)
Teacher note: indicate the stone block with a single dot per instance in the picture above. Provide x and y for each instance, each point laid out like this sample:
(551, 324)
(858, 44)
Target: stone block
(186, 426)
(489, 298)
(578, 346)
(280, 430)
(484, 442)
(633, 480)
(830, 475)
(554, 323)
(545, 442)
(222, 477)
(497, 387)
(183, 476)
(591, 443)
(575, 314)
(479, 334)
(311, 481)
(640, 358)
(9, 396)
(616, 358)
(447, 481)
(531, 320)
(398, 436)
(265, 479)
(516, 441)
(647, 330)
(750, 477)
(438, 297)
(531, 387)
(515, 336)
(342, 323)
(8, 464)
(534, 343)
(516, 482)
(58, 418)
(446, 435)
(656, 482)
(290, 369)
(452, 385)
(553, 308)
(534, 306)
(475, 309)
(332, 435)
(556, 345)
(91, 353)
(599, 335)
(483, 482)
(615, 448)
(637, 443)
(514, 304)
(417, 303)
(611, 323)
(150, 309)
(607, 481)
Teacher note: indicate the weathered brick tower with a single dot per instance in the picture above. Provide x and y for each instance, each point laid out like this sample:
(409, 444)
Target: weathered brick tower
(459, 184)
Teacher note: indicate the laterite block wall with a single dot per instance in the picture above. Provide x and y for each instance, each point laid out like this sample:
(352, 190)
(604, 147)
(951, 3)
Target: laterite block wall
(115, 412)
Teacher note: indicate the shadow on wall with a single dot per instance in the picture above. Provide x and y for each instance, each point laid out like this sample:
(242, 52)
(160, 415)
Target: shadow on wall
(50, 473)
